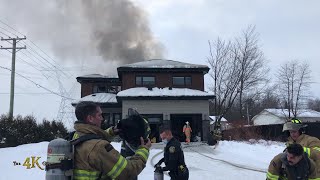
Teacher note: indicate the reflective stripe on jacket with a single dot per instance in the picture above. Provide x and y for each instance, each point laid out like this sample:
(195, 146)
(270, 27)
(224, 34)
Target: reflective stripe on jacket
(279, 171)
(97, 158)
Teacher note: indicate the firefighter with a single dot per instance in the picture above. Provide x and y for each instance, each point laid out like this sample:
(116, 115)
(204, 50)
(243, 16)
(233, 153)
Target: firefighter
(187, 131)
(315, 156)
(96, 158)
(127, 153)
(292, 165)
(295, 129)
(173, 157)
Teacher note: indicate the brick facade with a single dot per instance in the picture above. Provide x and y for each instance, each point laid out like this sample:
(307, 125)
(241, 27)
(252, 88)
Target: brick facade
(164, 79)
(86, 89)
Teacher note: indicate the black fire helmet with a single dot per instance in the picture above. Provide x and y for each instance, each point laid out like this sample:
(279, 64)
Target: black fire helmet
(133, 127)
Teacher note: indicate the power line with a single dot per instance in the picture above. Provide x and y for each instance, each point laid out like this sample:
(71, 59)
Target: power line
(11, 27)
(38, 85)
(61, 88)
(35, 61)
(32, 65)
(27, 93)
(59, 69)
(48, 61)
(7, 31)
(4, 33)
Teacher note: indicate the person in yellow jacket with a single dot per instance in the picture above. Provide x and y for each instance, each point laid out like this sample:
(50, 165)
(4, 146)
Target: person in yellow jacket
(96, 158)
(187, 131)
(296, 135)
(292, 165)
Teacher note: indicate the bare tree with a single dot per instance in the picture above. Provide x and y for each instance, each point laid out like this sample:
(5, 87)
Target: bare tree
(225, 75)
(237, 67)
(294, 79)
(253, 72)
(314, 104)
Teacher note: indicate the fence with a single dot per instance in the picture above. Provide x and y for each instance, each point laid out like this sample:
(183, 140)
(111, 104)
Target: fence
(267, 132)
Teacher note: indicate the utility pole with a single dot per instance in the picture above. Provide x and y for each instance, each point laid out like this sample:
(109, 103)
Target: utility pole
(14, 49)
(248, 116)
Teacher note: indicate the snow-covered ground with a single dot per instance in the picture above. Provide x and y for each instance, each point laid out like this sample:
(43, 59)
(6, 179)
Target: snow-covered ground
(204, 162)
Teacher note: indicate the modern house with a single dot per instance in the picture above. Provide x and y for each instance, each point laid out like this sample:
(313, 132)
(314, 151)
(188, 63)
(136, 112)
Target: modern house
(166, 92)
(280, 116)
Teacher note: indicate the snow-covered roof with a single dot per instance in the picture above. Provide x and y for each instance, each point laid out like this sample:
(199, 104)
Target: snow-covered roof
(301, 113)
(213, 119)
(98, 98)
(97, 76)
(163, 63)
(163, 92)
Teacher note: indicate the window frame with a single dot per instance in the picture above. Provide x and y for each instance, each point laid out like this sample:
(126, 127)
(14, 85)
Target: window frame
(142, 81)
(184, 81)
(108, 88)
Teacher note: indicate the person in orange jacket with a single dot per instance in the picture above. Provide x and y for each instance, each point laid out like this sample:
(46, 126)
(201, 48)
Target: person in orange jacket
(187, 131)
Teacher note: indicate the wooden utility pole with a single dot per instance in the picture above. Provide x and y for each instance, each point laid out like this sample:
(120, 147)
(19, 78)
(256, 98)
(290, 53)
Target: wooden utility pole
(14, 49)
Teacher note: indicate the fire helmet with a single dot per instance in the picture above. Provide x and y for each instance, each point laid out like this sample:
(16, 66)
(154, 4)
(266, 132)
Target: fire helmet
(133, 127)
(294, 124)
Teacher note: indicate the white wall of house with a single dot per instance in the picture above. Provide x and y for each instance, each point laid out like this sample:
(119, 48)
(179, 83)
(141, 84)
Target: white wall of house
(266, 118)
(167, 107)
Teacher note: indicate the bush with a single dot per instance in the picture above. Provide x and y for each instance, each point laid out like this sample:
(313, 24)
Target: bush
(25, 130)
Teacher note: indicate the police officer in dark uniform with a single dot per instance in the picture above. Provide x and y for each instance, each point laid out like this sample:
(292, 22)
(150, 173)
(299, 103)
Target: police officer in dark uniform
(173, 157)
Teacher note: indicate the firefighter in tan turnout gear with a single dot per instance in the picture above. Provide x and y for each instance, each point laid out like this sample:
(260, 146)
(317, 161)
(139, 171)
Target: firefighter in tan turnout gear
(310, 144)
(293, 164)
(96, 158)
(296, 135)
(314, 155)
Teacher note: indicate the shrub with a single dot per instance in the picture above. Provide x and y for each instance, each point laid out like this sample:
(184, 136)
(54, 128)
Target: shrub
(25, 130)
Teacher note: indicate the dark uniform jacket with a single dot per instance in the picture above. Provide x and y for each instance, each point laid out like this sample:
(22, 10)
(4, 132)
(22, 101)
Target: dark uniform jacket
(97, 159)
(174, 159)
(279, 169)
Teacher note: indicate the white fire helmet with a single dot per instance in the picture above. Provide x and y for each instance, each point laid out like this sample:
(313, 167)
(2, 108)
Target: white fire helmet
(294, 125)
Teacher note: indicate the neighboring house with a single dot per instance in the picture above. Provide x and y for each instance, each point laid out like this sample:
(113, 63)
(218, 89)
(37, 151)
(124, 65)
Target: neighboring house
(166, 92)
(224, 123)
(280, 116)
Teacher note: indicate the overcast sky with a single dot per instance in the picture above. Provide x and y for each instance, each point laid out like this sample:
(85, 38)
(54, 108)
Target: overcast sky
(176, 29)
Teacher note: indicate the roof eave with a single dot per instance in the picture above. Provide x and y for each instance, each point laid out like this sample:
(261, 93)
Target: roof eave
(102, 104)
(96, 79)
(138, 69)
(120, 98)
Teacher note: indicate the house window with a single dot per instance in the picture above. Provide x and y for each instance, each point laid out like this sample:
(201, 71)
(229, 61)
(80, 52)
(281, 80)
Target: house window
(181, 81)
(99, 88)
(153, 118)
(116, 118)
(111, 119)
(114, 89)
(145, 80)
(106, 117)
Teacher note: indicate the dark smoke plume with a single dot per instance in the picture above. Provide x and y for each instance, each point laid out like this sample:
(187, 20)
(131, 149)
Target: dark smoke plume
(116, 31)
